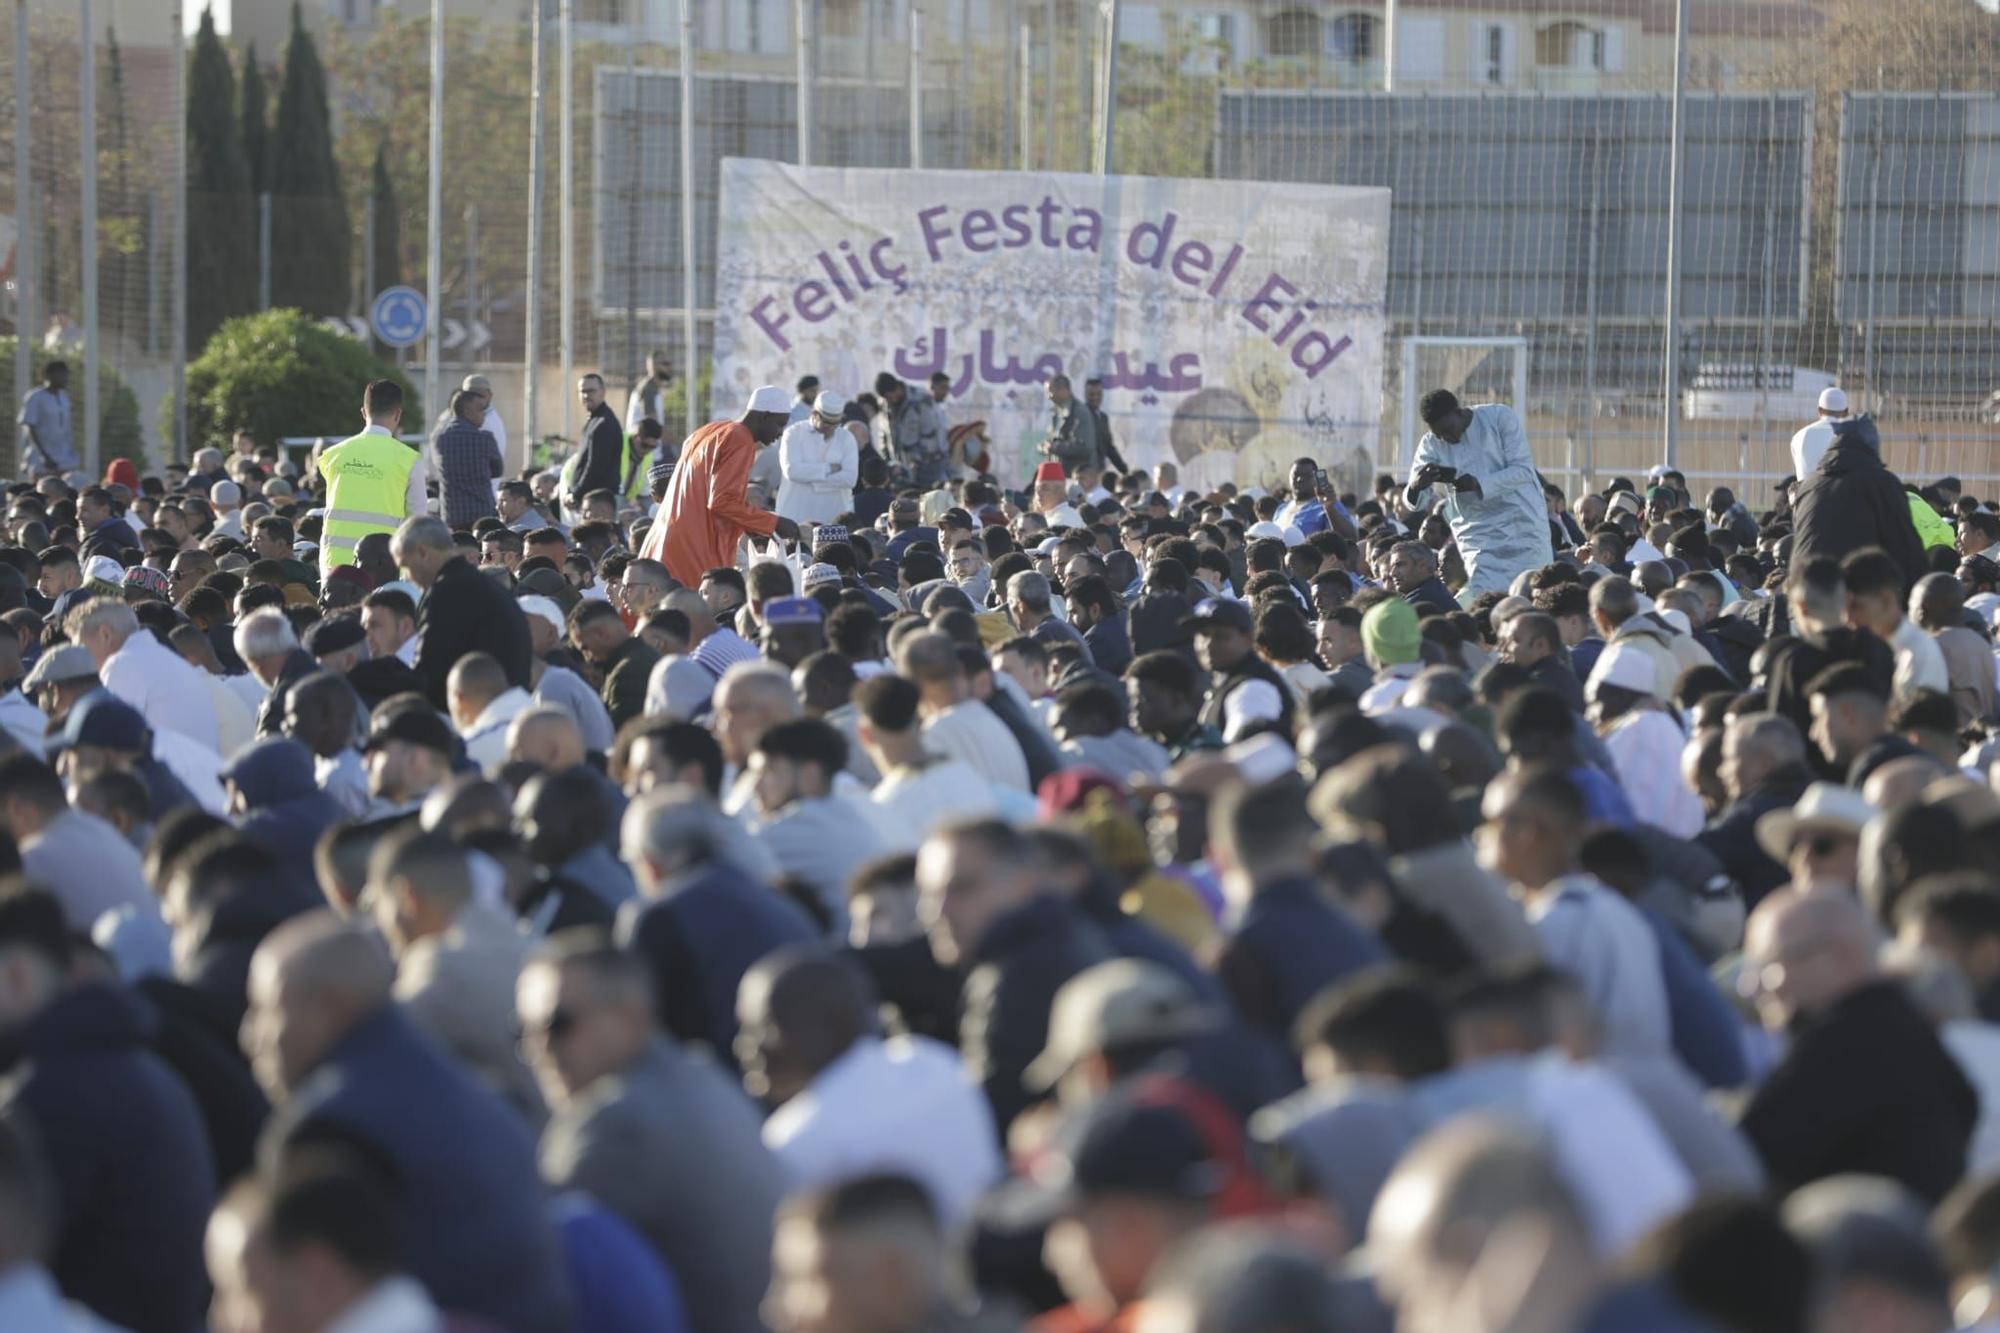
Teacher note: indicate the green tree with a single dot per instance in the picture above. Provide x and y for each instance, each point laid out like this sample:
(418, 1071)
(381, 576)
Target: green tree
(222, 253)
(312, 269)
(281, 373)
(387, 242)
(256, 138)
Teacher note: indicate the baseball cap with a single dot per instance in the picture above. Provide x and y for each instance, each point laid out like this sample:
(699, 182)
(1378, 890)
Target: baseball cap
(1390, 635)
(955, 518)
(72, 661)
(476, 384)
(1121, 1003)
(535, 604)
(1833, 400)
(414, 721)
(792, 611)
(1265, 530)
(903, 504)
(1213, 613)
(101, 718)
(551, 584)
(103, 569)
(1142, 1139)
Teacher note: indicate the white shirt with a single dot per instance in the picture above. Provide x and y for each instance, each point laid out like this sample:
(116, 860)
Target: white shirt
(1603, 942)
(486, 738)
(910, 802)
(250, 690)
(1975, 1045)
(1387, 691)
(1064, 515)
(494, 426)
(1919, 661)
(1645, 747)
(31, 1303)
(169, 692)
(903, 1105)
(1809, 445)
(1250, 701)
(393, 1305)
(235, 718)
(819, 473)
(969, 732)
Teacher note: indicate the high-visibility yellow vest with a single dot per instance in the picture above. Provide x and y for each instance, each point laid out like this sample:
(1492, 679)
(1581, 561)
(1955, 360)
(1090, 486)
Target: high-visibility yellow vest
(367, 482)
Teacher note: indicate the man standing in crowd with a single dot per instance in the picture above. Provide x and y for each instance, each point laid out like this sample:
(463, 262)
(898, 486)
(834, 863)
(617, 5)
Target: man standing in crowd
(646, 401)
(47, 441)
(601, 462)
(706, 514)
(1811, 442)
(1072, 437)
(1492, 496)
(373, 481)
(468, 460)
(916, 429)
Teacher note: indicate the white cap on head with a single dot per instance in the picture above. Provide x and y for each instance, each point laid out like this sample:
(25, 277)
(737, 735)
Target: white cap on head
(534, 604)
(1624, 666)
(1833, 400)
(770, 398)
(829, 404)
(103, 569)
(225, 494)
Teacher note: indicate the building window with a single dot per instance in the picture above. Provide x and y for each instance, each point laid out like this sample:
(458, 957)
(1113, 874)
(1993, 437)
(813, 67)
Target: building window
(1216, 28)
(1354, 39)
(1494, 65)
(840, 18)
(1569, 46)
(600, 11)
(1293, 33)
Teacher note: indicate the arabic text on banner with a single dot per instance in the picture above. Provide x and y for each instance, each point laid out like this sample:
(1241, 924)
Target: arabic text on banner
(1237, 325)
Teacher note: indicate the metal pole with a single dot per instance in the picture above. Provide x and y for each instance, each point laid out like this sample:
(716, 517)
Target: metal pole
(1026, 99)
(1104, 159)
(531, 351)
(566, 212)
(1874, 195)
(1676, 197)
(24, 211)
(264, 251)
(93, 409)
(434, 224)
(178, 447)
(1590, 305)
(1010, 85)
(368, 259)
(1049, 119)
(687, 214)
(916, 85)
(1388, 46)
(802, 39)
(154, 228)
(633, 176)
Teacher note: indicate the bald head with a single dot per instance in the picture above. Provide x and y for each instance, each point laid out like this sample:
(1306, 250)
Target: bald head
(1757, 745)
(311, 981)
(547, 738)
(701, 620)
(815, 1006)
(1900, 781)
(1463, 1197)
(1807, 951)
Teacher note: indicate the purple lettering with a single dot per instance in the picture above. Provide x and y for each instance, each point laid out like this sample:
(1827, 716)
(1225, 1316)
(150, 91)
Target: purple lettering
(978, 231)
(811, 301)
(771, 322)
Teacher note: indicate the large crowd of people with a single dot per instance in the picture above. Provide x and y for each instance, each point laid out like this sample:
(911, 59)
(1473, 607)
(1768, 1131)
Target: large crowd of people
(874, 899)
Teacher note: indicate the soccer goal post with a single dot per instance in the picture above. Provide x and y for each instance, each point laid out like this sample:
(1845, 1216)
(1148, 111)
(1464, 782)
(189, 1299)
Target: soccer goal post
(1478, 370)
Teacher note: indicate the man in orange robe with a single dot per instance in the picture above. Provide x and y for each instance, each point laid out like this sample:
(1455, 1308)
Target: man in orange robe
(705, 512)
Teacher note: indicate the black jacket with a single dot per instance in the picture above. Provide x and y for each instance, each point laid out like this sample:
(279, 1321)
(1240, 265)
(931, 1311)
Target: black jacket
(1732, 835)
(1010, 986)
(127, 1155)
(1794, 665)
(1853, 501)
(1433, 592)
(600, 462)
(1865, 1088)
(271, 717)
(465, 611)
(1553, 673)
(196, 1037)
(1732, 641)
(382, 678)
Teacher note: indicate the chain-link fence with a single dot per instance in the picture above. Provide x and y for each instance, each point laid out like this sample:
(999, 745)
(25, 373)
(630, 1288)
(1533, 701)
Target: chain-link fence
(1840, 216)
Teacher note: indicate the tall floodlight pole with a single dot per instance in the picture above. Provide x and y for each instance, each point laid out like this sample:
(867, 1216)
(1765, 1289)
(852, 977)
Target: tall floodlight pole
(179, 446)
(566, 213)
(916, 84)
(25, 268)
(434, 230)
(531, 356)
(93, 410)
(802, 39)
(1105, 154)
(687, 215)
(1676, 195)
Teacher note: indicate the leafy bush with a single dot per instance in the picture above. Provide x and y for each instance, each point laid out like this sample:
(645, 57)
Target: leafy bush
(118, 433)
(281, 373)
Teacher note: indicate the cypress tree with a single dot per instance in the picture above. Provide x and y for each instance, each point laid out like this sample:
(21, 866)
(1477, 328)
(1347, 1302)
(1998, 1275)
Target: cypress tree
(311, 264)
(256, 139)
(222, 252)
(388, 237)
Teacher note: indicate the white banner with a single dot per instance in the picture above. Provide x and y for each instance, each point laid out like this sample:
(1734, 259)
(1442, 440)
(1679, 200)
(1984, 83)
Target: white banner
(1237, 325)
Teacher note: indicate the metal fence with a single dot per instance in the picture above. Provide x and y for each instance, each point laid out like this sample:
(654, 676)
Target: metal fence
(1840, 216)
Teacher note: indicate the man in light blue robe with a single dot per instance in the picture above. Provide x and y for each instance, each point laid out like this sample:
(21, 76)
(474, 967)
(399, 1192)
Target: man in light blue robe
(1478, 459)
